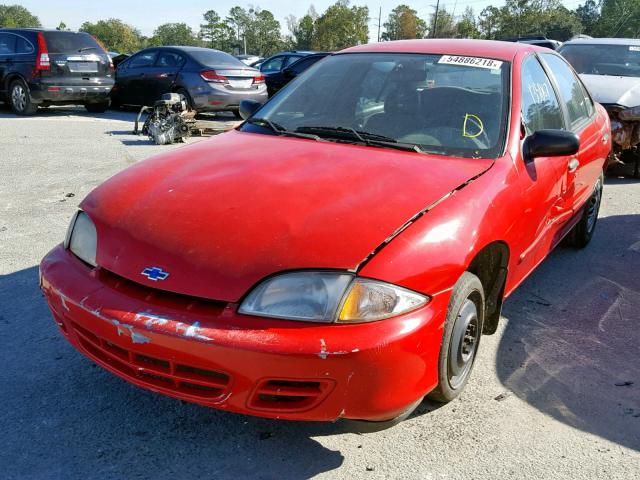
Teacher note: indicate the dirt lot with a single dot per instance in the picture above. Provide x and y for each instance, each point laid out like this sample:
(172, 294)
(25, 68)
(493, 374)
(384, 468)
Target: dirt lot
(555, 393)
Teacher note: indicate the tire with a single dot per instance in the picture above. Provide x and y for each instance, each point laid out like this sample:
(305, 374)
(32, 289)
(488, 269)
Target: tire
(20, 99)
(461, 338)
(186, 95)
(582, 232)
(97, 107)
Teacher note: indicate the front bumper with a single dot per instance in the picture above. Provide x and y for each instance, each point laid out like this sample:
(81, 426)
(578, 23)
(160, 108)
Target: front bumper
(206, 353)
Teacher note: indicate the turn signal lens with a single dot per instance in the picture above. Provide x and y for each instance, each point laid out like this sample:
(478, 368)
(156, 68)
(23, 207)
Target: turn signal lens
(369, 300)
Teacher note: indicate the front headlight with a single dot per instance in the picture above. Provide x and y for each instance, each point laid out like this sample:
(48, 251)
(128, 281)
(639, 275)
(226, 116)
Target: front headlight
(329, 297)
(81, 238)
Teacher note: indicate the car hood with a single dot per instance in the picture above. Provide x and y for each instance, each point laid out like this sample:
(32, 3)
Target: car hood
(224, 213)
(608, 89)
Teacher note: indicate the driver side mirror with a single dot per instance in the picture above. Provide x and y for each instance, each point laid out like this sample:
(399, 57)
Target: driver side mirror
(550, 143)
(248, 108)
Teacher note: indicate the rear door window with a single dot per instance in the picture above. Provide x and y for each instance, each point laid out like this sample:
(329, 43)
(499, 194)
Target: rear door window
(273, 65)
(143, 60)
(573, 94)
(71, 42)
(24, 46)
(169, 60)
(7, 44)
(540, 106)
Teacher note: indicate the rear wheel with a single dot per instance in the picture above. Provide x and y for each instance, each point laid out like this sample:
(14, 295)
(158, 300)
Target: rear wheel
(583, 231)
(462, 331)
(20, 99)
(186, 95)
(99, 107)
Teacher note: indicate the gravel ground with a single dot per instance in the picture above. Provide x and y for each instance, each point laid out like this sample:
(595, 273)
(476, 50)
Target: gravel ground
(555, 393)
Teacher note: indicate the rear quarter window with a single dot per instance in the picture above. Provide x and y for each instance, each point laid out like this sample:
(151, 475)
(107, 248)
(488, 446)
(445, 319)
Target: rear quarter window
(7, 43)
(71, 42)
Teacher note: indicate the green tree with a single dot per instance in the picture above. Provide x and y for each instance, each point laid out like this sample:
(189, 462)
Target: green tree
(403, 23)
(62, 26)
(215, 33)
(16, 16)
(489, 22)
(303, 30)
(115, 35)
(178, 34)
(589, 16)
(618, 18)
(264, 33)
(446, 25)
(341, 26)
(467, 27)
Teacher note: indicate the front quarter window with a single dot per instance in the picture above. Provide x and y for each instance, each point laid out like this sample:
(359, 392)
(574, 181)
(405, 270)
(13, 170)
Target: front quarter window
(441, 104)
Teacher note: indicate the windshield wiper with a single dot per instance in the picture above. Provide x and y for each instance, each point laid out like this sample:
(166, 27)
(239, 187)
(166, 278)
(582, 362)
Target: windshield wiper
(279, 129)
(368, 138)
(84, 49)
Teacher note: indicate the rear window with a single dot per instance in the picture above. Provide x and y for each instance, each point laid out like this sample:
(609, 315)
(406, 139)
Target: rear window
(213, 58)
(71, 42)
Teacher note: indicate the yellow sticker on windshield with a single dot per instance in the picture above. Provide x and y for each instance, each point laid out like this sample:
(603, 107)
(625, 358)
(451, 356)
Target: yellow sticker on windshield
(476, 125)
(477, 62)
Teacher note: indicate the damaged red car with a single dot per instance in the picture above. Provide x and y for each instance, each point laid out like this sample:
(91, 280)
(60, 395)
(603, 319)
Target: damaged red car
(341, 253)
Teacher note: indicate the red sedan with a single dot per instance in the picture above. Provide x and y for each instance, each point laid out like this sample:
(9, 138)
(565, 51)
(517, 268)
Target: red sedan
(340, 254)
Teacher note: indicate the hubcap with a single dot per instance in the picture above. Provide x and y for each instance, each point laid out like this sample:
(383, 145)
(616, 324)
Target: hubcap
(19, 97)
(463, 344)
(593, 206)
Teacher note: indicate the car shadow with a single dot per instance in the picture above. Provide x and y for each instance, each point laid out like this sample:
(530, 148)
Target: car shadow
(64, 417)
(571, 347)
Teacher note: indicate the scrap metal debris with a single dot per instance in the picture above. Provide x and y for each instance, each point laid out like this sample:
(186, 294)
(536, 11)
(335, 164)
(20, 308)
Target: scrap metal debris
(170, 120)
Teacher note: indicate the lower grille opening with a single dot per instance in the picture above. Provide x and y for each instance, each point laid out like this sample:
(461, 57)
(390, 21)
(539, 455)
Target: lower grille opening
(289, 395)
(186, 379)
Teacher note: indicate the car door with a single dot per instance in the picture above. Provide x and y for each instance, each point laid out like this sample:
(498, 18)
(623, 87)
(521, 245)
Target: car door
(131, 78)
(7, 52)
(160, 79)
(583, 168)
(272, 71)
(540, 180)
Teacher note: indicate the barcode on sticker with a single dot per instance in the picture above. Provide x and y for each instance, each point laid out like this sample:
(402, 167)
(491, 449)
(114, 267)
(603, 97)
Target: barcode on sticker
(477, 62)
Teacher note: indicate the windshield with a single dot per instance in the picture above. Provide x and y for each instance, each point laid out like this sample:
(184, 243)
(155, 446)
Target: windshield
(620, 60)
(214, 58)
(71, 42)
(441, 104)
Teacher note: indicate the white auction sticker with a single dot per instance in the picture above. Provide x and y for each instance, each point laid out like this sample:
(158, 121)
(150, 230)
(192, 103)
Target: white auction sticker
(477, 62)
(634, 48)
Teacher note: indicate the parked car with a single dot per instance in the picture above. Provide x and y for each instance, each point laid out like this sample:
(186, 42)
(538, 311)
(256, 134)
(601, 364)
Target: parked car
(209, 79)
(273, 66)
(339, 254)
(610, 68)
(277, 80)
(249, 59)
(39, 68)
(539, 40)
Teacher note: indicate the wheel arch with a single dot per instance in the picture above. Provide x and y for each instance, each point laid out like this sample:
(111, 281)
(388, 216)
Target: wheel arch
(490, 265)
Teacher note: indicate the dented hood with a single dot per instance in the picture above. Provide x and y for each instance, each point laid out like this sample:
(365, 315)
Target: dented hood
(222, 214)
(608, 89)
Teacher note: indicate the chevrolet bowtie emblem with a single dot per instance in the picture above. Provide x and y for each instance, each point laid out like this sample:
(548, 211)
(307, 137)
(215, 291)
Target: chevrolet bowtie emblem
(155, 273)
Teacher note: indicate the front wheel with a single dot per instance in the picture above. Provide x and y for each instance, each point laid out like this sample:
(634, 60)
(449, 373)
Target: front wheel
(581, 234)
(462, 331)
(20, 99)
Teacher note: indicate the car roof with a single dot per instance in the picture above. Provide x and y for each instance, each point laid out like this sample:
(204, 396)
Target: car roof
(478, 48)
(35, 29)
(603, 41)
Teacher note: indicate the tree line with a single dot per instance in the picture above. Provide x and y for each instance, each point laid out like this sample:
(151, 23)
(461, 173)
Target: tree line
(258, 32)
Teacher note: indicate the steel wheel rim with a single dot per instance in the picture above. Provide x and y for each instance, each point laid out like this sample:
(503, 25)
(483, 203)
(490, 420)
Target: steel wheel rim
(463, 344)
(19, 97)
(593, 206)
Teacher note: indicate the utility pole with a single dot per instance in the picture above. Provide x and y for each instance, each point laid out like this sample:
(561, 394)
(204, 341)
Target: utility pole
(379, 21)
(435, 20)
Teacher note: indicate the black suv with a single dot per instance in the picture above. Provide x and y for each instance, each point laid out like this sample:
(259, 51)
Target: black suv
(50, 67)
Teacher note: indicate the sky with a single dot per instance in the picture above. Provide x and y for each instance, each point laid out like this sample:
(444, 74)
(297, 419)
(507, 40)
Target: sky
(147, 15)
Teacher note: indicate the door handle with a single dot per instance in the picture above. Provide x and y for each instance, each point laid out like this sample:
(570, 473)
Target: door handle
(573, 165)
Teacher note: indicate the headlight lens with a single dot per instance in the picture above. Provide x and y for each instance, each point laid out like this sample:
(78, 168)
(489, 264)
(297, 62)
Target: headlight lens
(329, 297)
(81, 238)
